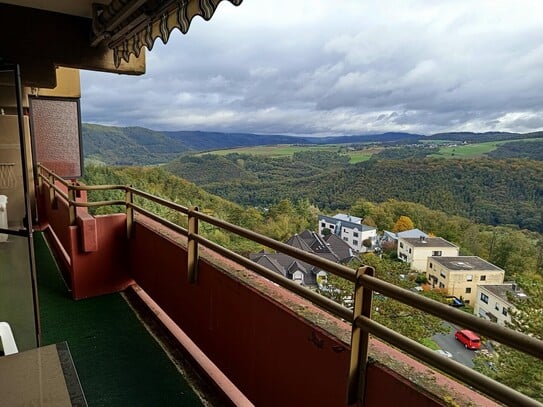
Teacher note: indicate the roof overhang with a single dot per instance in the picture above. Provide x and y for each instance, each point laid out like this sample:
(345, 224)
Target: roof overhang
(40, 35)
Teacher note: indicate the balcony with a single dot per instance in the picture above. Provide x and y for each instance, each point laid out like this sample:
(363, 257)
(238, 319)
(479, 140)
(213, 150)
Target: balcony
(255, 336)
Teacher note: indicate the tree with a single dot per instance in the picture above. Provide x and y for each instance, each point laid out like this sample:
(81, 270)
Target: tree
(367, 243)
(403, 223)
(402, 318)
(361, 208)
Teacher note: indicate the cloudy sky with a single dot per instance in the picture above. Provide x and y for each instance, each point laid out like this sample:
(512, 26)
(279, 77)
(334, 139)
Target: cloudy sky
(325, 67)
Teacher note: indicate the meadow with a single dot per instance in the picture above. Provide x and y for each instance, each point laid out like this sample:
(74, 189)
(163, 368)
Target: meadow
(288, 150)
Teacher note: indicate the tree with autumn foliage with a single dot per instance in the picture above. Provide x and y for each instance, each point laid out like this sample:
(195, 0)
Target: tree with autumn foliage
(403, 223)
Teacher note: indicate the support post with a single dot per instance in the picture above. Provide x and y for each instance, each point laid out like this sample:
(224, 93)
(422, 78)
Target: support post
(72, 209)
(359, 339)
(129, 200)
(192, 247)
(51, 190)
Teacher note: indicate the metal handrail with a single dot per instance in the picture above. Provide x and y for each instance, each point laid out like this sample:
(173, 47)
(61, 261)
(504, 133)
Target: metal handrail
(369, 283)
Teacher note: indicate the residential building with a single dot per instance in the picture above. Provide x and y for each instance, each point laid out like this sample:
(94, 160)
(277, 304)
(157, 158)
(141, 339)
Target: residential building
(459, 275)
(495, 301)
(392, 237)
(329, 247)
(348, 228)
(416, 250)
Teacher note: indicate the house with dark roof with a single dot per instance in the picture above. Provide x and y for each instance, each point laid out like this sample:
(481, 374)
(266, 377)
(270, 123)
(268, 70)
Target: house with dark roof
(330, 247)
(349, 229)
(496, 301)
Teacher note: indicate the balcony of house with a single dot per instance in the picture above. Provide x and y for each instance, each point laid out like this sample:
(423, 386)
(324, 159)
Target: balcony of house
(254, 336)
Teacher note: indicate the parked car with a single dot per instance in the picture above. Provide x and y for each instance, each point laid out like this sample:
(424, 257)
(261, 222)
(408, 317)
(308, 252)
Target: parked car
(468, 339)
(454, 301)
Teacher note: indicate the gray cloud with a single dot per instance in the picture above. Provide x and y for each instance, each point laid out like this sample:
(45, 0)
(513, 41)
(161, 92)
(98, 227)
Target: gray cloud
(346, 67)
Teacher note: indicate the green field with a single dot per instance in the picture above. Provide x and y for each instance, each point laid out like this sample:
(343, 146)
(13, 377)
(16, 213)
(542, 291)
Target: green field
(288, 150)
(473, 150)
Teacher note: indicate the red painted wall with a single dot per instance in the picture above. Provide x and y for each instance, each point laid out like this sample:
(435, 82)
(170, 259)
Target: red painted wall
(264, 348)
(90, 273)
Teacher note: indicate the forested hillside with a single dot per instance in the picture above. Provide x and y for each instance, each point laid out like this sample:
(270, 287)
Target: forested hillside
(485, 190)
(519, 149)
(517, 251)
(128, 145)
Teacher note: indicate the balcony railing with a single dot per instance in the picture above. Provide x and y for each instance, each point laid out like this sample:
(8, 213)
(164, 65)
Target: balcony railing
(365, 283)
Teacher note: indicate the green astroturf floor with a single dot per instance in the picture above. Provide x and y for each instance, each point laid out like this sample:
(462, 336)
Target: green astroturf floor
(118, 362)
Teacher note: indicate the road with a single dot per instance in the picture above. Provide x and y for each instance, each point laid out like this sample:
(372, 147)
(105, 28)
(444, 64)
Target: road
(459, 352)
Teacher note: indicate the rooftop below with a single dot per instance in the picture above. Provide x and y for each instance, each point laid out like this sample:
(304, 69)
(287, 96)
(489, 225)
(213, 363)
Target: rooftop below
(465, 263)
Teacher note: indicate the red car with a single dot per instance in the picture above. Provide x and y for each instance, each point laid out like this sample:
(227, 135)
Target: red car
(468, 338)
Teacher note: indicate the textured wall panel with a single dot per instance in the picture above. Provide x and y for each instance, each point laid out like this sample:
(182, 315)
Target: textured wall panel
(56, 133)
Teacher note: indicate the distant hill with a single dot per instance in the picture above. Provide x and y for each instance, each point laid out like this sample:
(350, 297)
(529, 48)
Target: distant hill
(483, 137)
(141, 146)
(128, 145)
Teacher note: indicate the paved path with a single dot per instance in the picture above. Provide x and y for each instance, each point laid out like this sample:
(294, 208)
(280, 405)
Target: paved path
(459, 352)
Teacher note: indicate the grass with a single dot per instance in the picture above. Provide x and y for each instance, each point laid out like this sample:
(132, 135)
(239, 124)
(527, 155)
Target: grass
(288, 150)
(473, 150)
(430, 343)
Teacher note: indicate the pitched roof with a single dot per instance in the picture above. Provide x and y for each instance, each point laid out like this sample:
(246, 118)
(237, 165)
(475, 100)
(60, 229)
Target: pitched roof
(339, 247)
(310, 242)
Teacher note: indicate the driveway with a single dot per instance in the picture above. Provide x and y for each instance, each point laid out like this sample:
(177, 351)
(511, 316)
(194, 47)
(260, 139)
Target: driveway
(449, 343)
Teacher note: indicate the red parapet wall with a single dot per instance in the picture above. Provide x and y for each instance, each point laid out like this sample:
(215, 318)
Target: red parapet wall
(94, 255)
(268, 351)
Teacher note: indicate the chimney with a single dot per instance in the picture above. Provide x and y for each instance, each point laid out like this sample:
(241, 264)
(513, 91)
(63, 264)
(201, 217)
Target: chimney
(422, 239)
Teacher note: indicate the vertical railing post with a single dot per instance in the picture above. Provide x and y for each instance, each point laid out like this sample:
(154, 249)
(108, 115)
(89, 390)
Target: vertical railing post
(40, 179)
(72, 209)
(359, 339)
(192, 247)
(51, 189)
(129, 200)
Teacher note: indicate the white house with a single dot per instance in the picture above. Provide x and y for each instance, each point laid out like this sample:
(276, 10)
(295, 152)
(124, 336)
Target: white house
(494, 302)
(348, 228)
(416, 250)
(393, 237)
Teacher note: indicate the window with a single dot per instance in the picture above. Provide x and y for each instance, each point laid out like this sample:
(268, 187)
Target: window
(468, 290)
(504, 311)
(323, 224)
(484, 298)
(441, 285)
(466, 301)
(346, 239)
(401, 245)
(442, 274)
(355, 234)
(355, 242)
(409, 250)
(436, 253)
(483, 278)
(431, 265)
(497, 307)
(469, 277)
